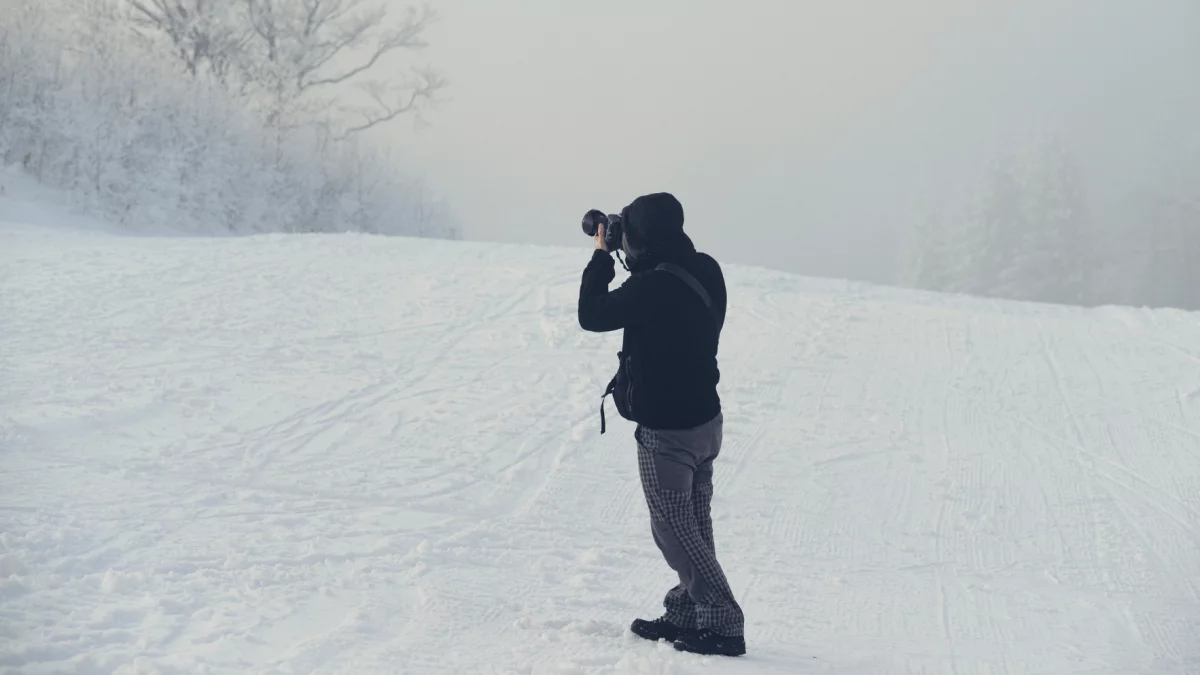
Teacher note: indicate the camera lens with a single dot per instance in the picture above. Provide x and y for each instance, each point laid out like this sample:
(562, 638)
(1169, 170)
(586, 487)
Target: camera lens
(592, 220)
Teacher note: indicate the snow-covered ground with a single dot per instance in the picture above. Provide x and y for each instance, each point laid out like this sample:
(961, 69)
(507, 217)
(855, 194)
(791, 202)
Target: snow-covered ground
(351, 454)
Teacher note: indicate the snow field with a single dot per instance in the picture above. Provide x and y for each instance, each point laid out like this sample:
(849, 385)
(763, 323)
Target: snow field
(354, 454)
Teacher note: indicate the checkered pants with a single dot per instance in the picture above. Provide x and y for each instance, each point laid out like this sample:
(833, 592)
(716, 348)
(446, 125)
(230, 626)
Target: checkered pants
(676, 472)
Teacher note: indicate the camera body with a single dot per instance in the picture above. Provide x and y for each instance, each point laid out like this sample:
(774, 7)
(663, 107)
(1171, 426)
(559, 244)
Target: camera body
(613, 228)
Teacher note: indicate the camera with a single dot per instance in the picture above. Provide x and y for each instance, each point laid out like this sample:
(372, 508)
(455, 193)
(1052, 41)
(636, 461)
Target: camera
(593, 219)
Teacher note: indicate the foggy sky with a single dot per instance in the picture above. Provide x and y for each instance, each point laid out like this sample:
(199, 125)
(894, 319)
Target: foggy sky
(795, 133)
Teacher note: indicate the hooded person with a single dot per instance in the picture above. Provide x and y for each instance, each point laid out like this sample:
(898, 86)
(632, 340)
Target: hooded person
(653, 229)
(672, 310)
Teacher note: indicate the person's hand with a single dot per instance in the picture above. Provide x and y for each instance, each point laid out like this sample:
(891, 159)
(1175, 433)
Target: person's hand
(600, 238)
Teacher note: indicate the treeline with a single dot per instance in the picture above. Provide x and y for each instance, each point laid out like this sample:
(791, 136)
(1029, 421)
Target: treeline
(1027, 228)
(207, 116)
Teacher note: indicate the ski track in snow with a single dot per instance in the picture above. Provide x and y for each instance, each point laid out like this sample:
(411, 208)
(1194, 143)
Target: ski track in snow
(350, 454)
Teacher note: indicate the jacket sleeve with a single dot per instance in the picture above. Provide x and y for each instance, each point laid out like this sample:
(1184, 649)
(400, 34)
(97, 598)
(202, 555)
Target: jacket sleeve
(600, 310)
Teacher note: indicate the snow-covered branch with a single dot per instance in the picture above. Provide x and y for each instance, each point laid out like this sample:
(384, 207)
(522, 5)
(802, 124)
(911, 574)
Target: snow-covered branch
(136, 139)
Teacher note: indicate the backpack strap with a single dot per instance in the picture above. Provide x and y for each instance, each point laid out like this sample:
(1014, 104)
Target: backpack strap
(687, 278)
(611, 385)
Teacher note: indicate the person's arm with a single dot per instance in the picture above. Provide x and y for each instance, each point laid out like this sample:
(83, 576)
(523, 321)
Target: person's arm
(601, 311)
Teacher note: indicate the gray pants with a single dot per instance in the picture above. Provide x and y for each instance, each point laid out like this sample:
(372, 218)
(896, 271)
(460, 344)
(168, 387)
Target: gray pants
(676, 467)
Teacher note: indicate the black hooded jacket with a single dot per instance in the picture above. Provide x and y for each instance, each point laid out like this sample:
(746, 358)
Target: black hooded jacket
(668, 373)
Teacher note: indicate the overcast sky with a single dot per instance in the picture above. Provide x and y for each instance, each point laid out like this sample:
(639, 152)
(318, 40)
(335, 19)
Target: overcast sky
(796, 133)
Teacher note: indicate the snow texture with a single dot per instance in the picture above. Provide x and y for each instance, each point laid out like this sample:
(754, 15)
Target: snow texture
(358, 454)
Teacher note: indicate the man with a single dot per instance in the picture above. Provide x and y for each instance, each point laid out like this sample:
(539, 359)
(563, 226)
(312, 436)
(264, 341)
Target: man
(672, 309)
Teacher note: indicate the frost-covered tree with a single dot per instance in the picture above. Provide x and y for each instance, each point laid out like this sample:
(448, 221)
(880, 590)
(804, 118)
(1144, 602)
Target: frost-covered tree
(207, 35)
(301, 62)
(944, 248)
(1019, 232)
(1038, 238)
(1163, 232)
(132, 137)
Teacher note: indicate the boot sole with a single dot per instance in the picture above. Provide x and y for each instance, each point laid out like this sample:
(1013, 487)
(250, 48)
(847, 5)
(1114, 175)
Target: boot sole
(679, 646)
(656, 638)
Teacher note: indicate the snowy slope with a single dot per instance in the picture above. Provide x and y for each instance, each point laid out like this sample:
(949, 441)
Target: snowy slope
(350, 454)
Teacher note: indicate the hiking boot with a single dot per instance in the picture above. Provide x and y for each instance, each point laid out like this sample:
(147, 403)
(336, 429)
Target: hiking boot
(659, 629)
(705, 641)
